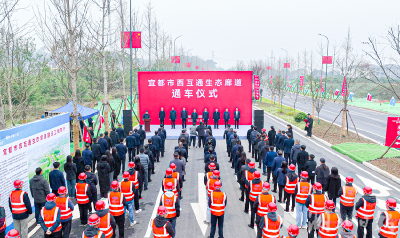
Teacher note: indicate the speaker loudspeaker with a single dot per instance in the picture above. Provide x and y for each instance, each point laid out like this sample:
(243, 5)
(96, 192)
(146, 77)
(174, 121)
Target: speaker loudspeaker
(127, 121)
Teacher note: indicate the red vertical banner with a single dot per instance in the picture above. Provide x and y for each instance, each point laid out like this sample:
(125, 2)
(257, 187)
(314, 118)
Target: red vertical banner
(136, 39)
(189, 64)
(268, 67)
(186, 65)
(172, 59)
(125, 40)
(86, 136)
(177, 59)
(392, 131)
(131, 39)
(301, 82)
(270, 82)
(337, 92)
(197, 67)
(286, 65)
(344, 87)
(322, 85)
(369, 97)
(256, 87)
(327, 59)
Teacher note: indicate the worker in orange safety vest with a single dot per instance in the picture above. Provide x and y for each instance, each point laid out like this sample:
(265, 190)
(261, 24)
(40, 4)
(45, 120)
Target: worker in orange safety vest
(253, 189)
(107, 221)
(246, 174)
(365, 208)
(20, 207)
(316, 206)
(302, 191)
(329, 222)
(291, 181)
(67, 207)
(116, 204)
(50, 218)
(261, 204)
(170, 200)
(177, 176)
(210, 186)
(160, 226)
(217, 204)
(92, 230)
(389, 220)
(129, 191)
(271, 223)
(347, 228)
(83, 195)
(347, 195)
(137, 179)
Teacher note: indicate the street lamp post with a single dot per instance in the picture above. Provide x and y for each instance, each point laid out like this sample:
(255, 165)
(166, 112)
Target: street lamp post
(130, 47)
(327, 48)
(174, 46)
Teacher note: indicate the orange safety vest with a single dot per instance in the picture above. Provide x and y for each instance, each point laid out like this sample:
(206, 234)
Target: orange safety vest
(81, 193)
(263, 201)
(169, 201)
(367, 210)
(317, 205)
(50, 217)
(17, 202)
(174, 181)
(115, 203)
(135, 179)
(105, 225)
(290, 185)
(99, 235)
(272, 228)
(249, 176)
(209, 174)
(217, 203)
(160, 232)
(348, 196)
(330, 225)
(390, 228)
(176, 175)
(255, 190)
(127, 190)
(303, 190)
(62, 203)
(210, 185)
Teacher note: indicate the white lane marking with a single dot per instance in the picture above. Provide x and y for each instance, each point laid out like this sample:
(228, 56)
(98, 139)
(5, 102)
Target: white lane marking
(148, 231)
(34, 230)
(200, 208)
(335, 154)
(255, 229)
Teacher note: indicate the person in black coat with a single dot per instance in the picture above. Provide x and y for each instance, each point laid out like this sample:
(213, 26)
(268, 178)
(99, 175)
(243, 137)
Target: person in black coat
(80, 165)
(161, 116)
(96, 150)
(287, 148)
(309, 125)
(157, 143)
(302, 158)
(103, 144)
(206, 116)
(117, 163)
(310, 167)
(281, 140)
(90, 121)
(114, 137)
(184, 117)
(194, 116)
(152, 149)
(227, 116)
(271, 136)
(333, 184)
(142, 134)
(236, 116)
(120, 132)
(146, 115)
(131, 144)
(172, 117)
(121, 151)
(216, 117)
(103, 174)
(289, 130)
(108, 139)
(278, 134)
(249, 136)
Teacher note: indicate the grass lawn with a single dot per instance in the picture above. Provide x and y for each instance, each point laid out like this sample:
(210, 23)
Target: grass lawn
(365, 152)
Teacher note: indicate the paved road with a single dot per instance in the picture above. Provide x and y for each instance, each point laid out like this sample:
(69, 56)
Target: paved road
(190, 223)
(369, 123)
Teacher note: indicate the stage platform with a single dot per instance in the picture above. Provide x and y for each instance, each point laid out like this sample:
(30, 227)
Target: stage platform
(217, 133)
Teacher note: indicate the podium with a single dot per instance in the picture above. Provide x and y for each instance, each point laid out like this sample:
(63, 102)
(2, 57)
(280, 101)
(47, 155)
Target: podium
(147, 125)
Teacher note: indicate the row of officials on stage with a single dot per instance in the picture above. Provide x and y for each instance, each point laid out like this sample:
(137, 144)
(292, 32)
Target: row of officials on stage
(195, 116)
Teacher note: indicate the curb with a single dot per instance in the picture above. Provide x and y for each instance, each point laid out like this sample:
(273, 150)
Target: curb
(382, 172)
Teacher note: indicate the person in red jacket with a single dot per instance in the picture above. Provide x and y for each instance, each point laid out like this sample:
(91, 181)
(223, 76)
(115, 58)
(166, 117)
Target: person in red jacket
(365, 208)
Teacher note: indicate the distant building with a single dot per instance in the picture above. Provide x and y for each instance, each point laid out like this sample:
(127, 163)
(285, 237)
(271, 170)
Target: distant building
(52, 65)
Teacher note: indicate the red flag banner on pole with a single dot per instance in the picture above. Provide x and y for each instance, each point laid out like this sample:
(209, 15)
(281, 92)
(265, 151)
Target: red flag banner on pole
(270, 82)
(189, 64)
(301, 82)
(86, 136)
(369, 97)
(337, 92)
(327, 59)
(125, 41)
(177, 59)
(344, 87)
(136, 39)
(286, 65)
(322, 85)
(172, 59)
(101, 121)
(268, 67)
(197, 67)
(186, 64)
(256, 87)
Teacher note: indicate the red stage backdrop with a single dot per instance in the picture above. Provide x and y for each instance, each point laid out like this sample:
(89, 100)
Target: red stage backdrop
(196, 90)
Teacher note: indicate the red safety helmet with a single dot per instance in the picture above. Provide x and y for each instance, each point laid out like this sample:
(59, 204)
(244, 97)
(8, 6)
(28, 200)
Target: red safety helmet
(263, 129)
(51, 197)
(272, 207)
(212, 166)
(94, 220)
(169, 172)
(82, 176)
(169, 186)
(217, 185)
(216, 173)
(293, 230)
(13, 234)
(100, 205)
(367, 190)
(172, 166)
(329, 204)
(317, 186)
(391, 203)
(348, 225)
(292, 167)
(62, 190)
(257, 174)
(131, 165)
(349, 179)
(161, 211)
(114, 184)
(266, 186)
(125, 175)
(304, 174)
(252, 165)
(18, 183)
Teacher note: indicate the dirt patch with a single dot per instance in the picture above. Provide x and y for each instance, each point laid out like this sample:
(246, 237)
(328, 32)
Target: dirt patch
(390, 165)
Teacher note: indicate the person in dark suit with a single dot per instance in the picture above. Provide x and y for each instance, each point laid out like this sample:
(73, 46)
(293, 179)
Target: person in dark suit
(287, 148)
(157, 143)
(108, 139)
(281, 140)
(146, 115)
(162, 142)
(271, 136)
(172, 117)
(309, 125)
(184, 117)
(103, 144)
(120, 132)
(277, 140)
(96, 150)
(206, 116)
(90, 121)
(161, 116)
(180, 165)
(137, 140)
(227, 116)
(194, 116)
(216, 117)
(236, 116)
(121, 151)
(142, 134)
(131, 144)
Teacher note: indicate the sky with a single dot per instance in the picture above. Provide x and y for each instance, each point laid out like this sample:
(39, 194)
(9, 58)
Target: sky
(228, 31)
